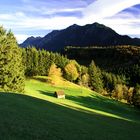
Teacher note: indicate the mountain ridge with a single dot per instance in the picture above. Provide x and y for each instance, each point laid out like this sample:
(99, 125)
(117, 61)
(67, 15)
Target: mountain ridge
(82, 36)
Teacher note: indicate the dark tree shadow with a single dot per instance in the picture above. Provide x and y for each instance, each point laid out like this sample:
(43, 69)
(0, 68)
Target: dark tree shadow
(101, 104)
(48, 93)
(25, 117)
(41, 79)
(107, 105)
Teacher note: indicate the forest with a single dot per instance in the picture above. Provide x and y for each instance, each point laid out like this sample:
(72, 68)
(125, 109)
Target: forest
(118, 82)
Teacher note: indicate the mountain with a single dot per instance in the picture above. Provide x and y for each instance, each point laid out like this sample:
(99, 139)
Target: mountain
(31, 41)
(89, 35)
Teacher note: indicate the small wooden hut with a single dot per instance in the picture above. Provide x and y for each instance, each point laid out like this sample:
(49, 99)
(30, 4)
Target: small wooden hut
(59, 94)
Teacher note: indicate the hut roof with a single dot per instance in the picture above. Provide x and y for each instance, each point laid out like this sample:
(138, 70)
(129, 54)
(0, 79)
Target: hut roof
(59, 93)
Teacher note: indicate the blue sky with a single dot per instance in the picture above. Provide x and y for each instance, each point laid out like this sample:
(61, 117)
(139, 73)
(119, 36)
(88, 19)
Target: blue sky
(38, 17)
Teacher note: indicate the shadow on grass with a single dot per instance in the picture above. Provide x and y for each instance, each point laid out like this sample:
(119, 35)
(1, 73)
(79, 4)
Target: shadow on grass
(108, 106)
(48, 93)
(41, 79)
(98, 103)
(25, 117)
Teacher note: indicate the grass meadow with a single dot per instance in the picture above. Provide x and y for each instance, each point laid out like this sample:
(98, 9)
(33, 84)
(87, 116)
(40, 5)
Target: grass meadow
(84, 114)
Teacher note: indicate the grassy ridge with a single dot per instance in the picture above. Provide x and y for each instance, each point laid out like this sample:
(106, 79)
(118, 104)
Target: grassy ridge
(82, 115)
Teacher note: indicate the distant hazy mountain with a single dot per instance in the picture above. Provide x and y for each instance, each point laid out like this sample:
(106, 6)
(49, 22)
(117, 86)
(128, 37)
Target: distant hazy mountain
(89, 35)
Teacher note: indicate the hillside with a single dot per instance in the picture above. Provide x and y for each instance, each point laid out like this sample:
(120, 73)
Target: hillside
(82, 36)
(82, 115)
(105, 57)
(122, 60)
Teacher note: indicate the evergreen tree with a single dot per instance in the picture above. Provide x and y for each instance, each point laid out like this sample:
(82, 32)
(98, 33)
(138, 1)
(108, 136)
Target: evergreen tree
(11, 66)
(85, 80)
(35, 62)
(28, 62)
(136, 96)
(41, 63)
(95, 77)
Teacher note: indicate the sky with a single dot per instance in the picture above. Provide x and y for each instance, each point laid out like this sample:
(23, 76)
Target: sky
(38, 17)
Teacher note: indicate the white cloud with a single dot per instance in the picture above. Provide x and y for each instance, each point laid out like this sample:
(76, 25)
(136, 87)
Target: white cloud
(5, 16)
(53, 11)
(102, 11)
(106, 8)
(21, 37)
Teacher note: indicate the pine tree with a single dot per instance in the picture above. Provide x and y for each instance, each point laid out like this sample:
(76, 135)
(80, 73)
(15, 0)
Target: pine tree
(136, 96)
(95, 77)
(11, 66)
(35, 62)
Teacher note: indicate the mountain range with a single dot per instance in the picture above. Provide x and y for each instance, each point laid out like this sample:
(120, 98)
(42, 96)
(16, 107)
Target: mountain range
(80, 36)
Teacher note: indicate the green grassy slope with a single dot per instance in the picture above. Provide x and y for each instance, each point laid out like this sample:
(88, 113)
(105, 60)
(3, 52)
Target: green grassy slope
(82, 115)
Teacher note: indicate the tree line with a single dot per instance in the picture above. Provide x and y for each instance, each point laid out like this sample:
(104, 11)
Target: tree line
(17, 63)
(42, 62)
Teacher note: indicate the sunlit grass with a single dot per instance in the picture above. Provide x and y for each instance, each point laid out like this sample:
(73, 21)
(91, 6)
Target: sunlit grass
(77, 97)
(83, 115)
